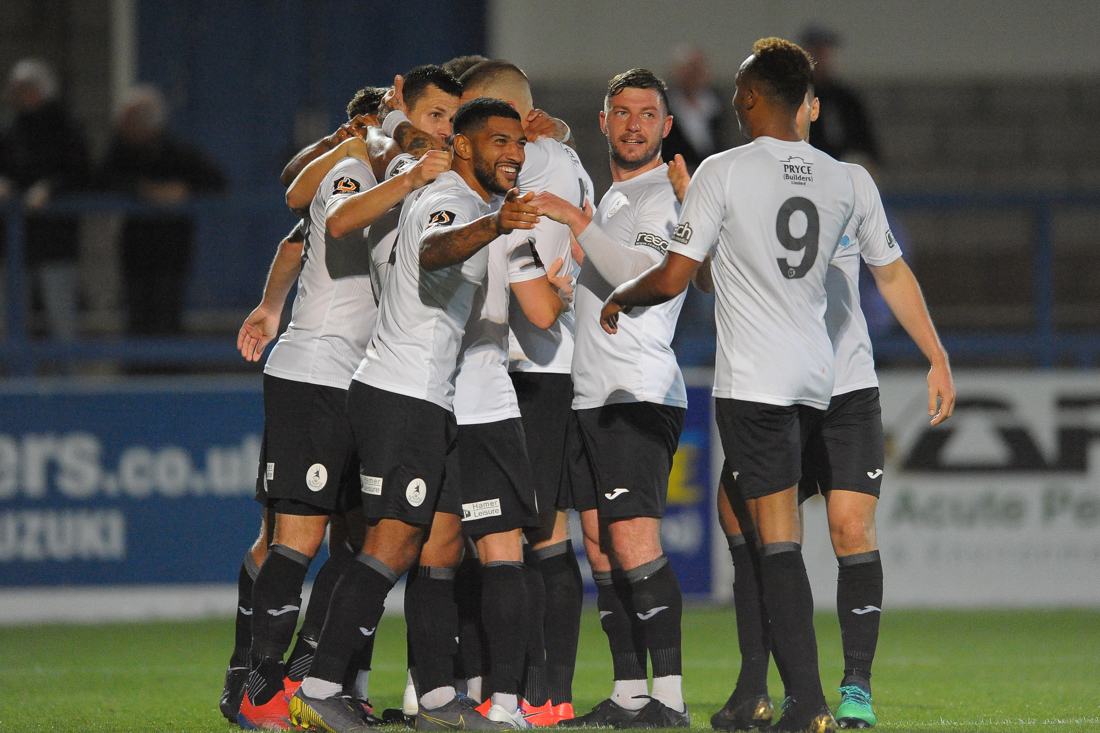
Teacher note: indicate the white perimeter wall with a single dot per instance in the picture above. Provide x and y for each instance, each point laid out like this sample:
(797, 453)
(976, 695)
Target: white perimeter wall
(884, 39)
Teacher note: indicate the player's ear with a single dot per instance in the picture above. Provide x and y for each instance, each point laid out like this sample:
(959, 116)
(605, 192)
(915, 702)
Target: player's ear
(463, 147)
(668, 126)
(815, 109)
(603, 122)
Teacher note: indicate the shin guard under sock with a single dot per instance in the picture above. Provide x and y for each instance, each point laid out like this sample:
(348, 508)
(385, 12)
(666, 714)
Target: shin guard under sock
(301, 656)
(534, 684)
(358, 601)
(615, 620)
(433, 627)
(561, 575)
(753, 629)
(790, 606)
(658, 608)
(242, 640)
(471, 634)
(276, 600)
(859, 607)
(503, 611)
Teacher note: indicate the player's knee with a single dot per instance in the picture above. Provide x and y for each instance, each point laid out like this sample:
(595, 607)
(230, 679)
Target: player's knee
(852, 533)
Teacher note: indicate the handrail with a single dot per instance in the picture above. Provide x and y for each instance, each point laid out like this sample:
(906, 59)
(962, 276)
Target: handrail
(1043, 345)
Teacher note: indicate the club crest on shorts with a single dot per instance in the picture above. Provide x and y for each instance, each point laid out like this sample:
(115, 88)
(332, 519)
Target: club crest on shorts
(316, 477)
(416, 491)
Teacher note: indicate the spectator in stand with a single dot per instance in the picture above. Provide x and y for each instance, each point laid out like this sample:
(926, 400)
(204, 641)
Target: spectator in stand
(44, 154)
(145, 162)
(843, 129)
(700, 117)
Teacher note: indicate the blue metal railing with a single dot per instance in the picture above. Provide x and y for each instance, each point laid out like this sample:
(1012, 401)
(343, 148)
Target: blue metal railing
(1042, 345)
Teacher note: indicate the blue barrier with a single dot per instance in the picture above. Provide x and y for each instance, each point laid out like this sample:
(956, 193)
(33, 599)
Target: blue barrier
(1042, 345)
(151, 481)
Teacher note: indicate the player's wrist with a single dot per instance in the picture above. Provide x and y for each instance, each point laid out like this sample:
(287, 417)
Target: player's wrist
(393, 120)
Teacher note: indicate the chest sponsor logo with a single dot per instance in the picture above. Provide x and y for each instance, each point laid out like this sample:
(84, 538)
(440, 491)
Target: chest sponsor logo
(416, 492)
(645, 239)
(316, 477)
(346, 184)
(441, 218)
(481, 510)
(682, 233)
(370, 485)
(798, 171)
(890, 241)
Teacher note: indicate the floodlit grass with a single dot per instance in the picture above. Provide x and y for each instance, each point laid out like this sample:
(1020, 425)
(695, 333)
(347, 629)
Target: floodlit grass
(950, 671)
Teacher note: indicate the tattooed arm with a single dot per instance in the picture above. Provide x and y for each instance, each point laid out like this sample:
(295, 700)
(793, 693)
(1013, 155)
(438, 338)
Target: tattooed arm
(445, 246)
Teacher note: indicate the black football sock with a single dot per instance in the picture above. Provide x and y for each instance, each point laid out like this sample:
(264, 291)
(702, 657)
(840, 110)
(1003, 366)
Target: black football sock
(242, 641)
(276, 600)
(614, 619)
(658, 610)
(503, 611)
(358, 601)
(790, 606)
(433, 627)
(753, 632)
(859, 606)
(470, 632)
(561, 575)
(360, 662)
(297, 664)
(534, 685)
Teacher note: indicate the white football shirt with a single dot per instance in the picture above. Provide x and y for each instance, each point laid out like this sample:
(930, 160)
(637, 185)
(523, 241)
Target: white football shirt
(422, 314)
(773, 213)
(334, 312)
(868, 236)
(549, 166)
(483, 389)
(637, 364)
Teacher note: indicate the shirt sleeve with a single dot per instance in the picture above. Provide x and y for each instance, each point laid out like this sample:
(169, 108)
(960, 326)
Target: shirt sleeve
(399, 164)
(450, 210)
(877, 244)
(347, 178)
(524, 262)
(704, 210)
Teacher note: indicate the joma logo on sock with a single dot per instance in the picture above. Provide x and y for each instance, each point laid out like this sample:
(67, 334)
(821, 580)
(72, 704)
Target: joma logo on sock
(281, 611)
(651, 613)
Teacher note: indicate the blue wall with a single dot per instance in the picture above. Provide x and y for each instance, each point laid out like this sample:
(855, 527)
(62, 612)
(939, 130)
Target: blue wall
(237, 73)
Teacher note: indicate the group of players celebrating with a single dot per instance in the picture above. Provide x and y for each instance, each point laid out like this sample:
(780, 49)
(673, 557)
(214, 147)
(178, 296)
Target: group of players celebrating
(441, 398)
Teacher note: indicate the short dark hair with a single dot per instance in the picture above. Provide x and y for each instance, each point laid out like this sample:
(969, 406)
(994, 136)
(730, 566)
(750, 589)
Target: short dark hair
(459, 65)
(472, 115)
(419, 79)
(365, 101)
(784, 68)
(488, 71)
(636, 79)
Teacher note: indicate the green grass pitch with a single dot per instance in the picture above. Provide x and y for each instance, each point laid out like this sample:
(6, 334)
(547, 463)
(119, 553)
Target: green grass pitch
(950, 671)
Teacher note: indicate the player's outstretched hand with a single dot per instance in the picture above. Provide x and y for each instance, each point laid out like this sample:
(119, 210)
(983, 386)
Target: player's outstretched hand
(679, 177)
(561, 282)
(555, 207)
(609, 316)
(517, 212)
(941, 393)
(539, 124)
(259, 328)
(430, 166)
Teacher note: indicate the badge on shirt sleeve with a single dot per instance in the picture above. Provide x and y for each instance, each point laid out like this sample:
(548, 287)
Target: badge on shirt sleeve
(345, 184)
(534, 252)
(441, 218)
(682, 233)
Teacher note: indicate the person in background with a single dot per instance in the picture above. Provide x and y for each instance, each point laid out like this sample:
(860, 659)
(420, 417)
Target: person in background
(43, 154)
(700, 116)
(145, 162)
(843, 129)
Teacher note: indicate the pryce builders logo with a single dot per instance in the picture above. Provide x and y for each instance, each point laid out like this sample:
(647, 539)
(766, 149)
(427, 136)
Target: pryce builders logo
(798, 171)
